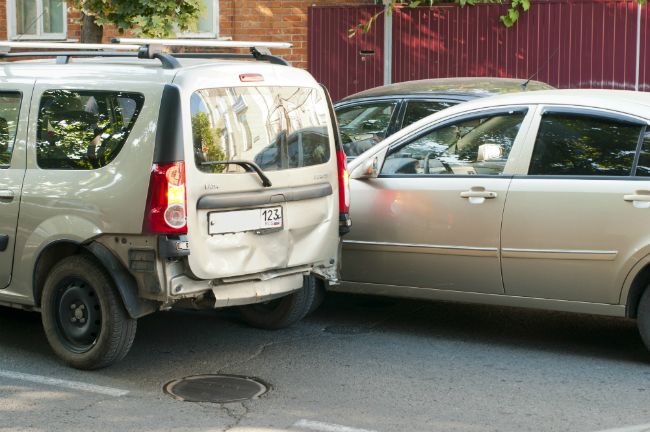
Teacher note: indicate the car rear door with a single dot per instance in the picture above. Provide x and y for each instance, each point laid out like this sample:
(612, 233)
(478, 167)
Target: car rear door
(432, 217)
(14, 110)
(573, 224)
(273, 207)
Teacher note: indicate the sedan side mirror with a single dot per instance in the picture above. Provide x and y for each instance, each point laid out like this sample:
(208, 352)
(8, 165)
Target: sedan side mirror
(367, 169)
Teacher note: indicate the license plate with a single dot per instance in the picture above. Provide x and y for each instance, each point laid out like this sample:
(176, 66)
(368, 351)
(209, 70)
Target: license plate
(260, 219)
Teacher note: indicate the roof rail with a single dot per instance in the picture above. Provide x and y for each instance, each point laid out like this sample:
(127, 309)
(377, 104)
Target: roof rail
(204, 43)
(142, 48)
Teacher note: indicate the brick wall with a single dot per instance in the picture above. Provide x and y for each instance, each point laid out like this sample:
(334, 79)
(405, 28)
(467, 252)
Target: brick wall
(273, 20)
(267, 20)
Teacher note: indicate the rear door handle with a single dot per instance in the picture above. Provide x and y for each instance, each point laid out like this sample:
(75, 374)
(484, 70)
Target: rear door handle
(6, 194)
(640, 199)
(637, 197)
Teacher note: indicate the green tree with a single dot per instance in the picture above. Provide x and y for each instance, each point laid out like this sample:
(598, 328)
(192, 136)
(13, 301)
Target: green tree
(145, 18)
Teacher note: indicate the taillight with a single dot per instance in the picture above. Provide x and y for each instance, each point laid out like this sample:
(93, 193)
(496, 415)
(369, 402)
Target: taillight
(166, 207)
(344, 182)
(344, 192)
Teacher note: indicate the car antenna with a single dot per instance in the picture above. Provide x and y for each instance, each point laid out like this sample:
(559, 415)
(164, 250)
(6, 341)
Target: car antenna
(525, 83)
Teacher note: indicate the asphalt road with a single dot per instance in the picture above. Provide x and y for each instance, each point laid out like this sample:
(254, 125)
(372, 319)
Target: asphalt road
(358, 364)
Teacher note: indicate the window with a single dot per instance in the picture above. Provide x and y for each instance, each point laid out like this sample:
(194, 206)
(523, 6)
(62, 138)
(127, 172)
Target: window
(569, 144)
(37, 19)
(9, 112)
(84, 130)
(363, 126)
(208, 25)
(419, 109)
(476, 146)
(643, 167)
(278, 128)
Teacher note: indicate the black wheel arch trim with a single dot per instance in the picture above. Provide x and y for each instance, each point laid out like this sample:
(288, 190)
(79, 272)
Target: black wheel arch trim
(126, 284)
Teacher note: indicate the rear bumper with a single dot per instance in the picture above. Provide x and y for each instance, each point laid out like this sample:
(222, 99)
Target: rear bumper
(263, 287)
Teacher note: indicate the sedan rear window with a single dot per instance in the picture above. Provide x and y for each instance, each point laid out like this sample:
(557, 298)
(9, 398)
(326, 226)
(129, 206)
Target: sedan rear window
(278, 128)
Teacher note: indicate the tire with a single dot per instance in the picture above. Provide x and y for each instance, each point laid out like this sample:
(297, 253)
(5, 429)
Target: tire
(643, 317)
(319, 296)
(282, 312)
(83, 316)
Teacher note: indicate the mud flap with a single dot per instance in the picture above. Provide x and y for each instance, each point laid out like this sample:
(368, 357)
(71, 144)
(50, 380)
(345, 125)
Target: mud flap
(124, 281)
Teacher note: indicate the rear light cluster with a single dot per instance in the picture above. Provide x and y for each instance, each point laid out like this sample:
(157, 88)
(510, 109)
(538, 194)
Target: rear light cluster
(344, 192)
(166, 211)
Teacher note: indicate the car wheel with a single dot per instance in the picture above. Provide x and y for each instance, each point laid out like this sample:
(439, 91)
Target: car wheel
(83, 316)
(643, 317)
(282, 312)
(319, 295)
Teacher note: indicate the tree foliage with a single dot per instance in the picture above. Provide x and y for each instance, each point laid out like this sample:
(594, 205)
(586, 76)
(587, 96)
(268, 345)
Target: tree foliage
(145, 18)
(511, 16)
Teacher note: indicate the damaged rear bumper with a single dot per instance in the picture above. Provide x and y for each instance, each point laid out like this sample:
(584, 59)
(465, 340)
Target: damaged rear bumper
(238, 291)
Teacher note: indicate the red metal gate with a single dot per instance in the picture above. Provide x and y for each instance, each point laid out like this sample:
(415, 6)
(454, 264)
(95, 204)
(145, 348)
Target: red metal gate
(567, 43)
(345, 65)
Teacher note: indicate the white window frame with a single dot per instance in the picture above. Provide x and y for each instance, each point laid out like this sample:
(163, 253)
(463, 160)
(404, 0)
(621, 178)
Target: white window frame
(206, 35)
(11, 24)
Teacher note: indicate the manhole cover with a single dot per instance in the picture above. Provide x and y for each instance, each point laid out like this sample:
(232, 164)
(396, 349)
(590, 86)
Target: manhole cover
(215, 388)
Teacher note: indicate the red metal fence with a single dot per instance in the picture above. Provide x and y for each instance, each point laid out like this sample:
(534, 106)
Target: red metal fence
(567, 43)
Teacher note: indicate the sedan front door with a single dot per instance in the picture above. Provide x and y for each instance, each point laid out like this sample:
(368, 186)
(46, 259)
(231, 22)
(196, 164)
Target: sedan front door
(431, 219)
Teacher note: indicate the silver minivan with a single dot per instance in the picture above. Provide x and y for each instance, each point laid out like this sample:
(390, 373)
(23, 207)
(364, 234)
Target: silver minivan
(131, 182)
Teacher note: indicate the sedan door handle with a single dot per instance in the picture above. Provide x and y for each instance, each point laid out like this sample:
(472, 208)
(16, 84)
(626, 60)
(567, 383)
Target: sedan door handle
(478, 194)
(6, 194)
(637, 197)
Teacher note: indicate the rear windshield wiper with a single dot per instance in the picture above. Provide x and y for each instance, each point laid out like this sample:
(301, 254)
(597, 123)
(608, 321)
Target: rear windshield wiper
(247, 165)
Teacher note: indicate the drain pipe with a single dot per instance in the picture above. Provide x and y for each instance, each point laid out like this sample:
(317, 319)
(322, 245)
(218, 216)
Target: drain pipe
(638, 45)
(388, 46)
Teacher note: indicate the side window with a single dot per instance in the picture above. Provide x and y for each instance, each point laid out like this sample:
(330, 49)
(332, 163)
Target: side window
(363, 126)
(84, 130)
(476, 146)
(419, 109)
(643, 167)
(9, 112)
(569, 144)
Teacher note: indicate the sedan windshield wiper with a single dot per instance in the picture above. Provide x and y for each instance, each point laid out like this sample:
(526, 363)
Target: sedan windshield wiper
(247, 165)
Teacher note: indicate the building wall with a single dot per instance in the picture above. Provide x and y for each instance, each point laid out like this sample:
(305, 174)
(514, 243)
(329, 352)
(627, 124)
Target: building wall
(273, 20)
(267, 20)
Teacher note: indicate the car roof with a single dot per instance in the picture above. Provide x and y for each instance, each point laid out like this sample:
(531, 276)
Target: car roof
(211, 72)
(470, 87)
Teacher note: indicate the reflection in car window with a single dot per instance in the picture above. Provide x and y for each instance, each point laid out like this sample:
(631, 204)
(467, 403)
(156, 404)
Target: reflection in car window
(84, 130)
(569, 144)
(363, 126)
(9, 111)
(643, 167)
(419, 109)
(276, 127)
(479, 146)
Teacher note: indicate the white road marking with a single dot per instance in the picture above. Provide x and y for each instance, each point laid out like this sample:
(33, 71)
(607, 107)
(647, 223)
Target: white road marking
(73, 385)
(637, 428)
(326, 427)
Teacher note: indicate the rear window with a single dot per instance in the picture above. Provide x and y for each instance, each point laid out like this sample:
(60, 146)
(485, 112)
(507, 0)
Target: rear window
(84, 130)
(278, 128)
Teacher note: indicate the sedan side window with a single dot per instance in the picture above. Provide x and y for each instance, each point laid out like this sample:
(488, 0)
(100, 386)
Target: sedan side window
(9, 111)
(476, 146)
(363, 126)
(570, 144)
(419, 109)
